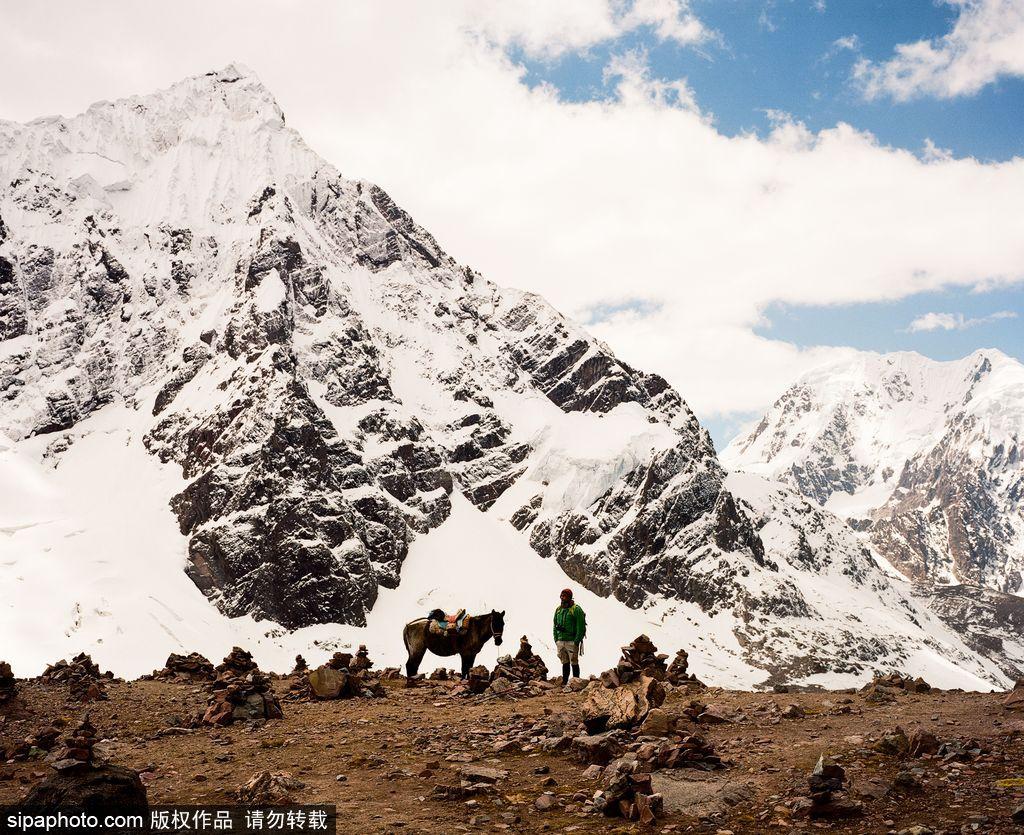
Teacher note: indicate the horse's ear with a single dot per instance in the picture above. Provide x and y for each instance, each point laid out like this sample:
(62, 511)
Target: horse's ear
(503, 613)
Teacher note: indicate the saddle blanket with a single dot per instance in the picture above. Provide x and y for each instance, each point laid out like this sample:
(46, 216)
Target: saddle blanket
(454, 622)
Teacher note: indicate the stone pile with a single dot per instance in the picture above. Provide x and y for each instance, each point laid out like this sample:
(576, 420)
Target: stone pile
(628, 794)
(185, 668)
(622, 705)
(240, 693)
(344, 676)
(682, 751)
(300, 665)
(886, 688)
(83, 677)
(523, 674)
(76, 750)
(238, 662)
(677, 671)
(362, 660)
(8, 687)
(83, 781)
(828, 793)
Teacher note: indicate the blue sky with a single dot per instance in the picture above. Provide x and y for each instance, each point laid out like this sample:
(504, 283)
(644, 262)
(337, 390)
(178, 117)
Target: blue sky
(783, 56)
(798, 57)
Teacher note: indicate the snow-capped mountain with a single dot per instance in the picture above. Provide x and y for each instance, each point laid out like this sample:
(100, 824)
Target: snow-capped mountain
(925, 457)
(231, 376)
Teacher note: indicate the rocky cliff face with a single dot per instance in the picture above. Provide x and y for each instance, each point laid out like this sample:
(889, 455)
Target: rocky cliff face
(326, 379)
(925, 458)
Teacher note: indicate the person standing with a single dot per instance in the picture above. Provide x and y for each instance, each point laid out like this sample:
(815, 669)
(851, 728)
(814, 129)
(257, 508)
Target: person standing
(570, 629)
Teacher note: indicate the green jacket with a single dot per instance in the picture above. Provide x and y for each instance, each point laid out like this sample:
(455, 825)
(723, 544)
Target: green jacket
(570, 624)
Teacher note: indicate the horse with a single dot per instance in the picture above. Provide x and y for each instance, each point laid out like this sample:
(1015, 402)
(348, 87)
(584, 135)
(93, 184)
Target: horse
(478, 630)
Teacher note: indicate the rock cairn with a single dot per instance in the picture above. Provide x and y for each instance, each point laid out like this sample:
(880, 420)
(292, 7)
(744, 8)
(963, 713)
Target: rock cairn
(185, 668)
(627, 794)
(886, 688)
(641, 658)
(828, 793)
(83, 677)
(344, 676)
(8, 686)
(238, 662)
(524, 674)
(240, 693)
(362, 660)
(82, 780)
(300, 665)
(76, 749)
(681, 751)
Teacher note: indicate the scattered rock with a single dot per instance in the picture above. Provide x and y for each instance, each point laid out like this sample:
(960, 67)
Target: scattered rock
(269, 789)
(793, 711)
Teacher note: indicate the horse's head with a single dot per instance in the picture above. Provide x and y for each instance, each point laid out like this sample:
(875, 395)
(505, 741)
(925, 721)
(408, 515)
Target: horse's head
(497, 626)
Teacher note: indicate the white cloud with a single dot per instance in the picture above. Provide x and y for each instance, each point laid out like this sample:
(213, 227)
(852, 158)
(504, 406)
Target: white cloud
(954, 321)
(635, 201)
(985, 43)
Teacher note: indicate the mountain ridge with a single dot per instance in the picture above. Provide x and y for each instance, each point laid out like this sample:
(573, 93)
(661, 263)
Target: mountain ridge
(323, 385)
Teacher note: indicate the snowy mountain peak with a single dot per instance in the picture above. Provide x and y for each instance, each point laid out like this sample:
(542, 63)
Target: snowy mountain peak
(238, 385)
(926, 455)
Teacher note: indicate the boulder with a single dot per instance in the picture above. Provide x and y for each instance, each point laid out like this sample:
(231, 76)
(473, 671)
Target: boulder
(598, 749)
(893, 743)
(1015, 698)
(657, 723)
(327, 682)
(625, 706)
(90, 789)
(482, 774)
(923, 742)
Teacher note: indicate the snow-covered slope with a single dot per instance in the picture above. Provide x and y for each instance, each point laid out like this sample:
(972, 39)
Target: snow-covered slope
(925, 457)
(243, 398)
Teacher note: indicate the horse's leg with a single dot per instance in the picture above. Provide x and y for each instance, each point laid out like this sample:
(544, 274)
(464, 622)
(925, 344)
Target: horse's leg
(412, 666)
(467, 663)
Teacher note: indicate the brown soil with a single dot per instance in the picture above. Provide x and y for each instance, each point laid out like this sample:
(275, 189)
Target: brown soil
(391, 752)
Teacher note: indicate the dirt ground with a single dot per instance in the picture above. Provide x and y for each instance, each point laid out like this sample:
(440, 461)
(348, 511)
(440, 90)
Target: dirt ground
(378, 760)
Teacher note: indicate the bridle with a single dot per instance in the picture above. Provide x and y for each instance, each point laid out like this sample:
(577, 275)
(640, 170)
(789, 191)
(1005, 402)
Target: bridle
(496, 635)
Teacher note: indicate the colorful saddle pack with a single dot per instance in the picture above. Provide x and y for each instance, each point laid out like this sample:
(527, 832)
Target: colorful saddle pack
(443, 624)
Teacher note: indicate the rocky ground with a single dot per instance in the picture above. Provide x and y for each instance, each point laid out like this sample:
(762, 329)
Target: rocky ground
(437, 757)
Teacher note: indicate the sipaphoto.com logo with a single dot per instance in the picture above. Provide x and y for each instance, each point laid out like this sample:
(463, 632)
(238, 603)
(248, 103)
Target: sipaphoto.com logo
(58, 822)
